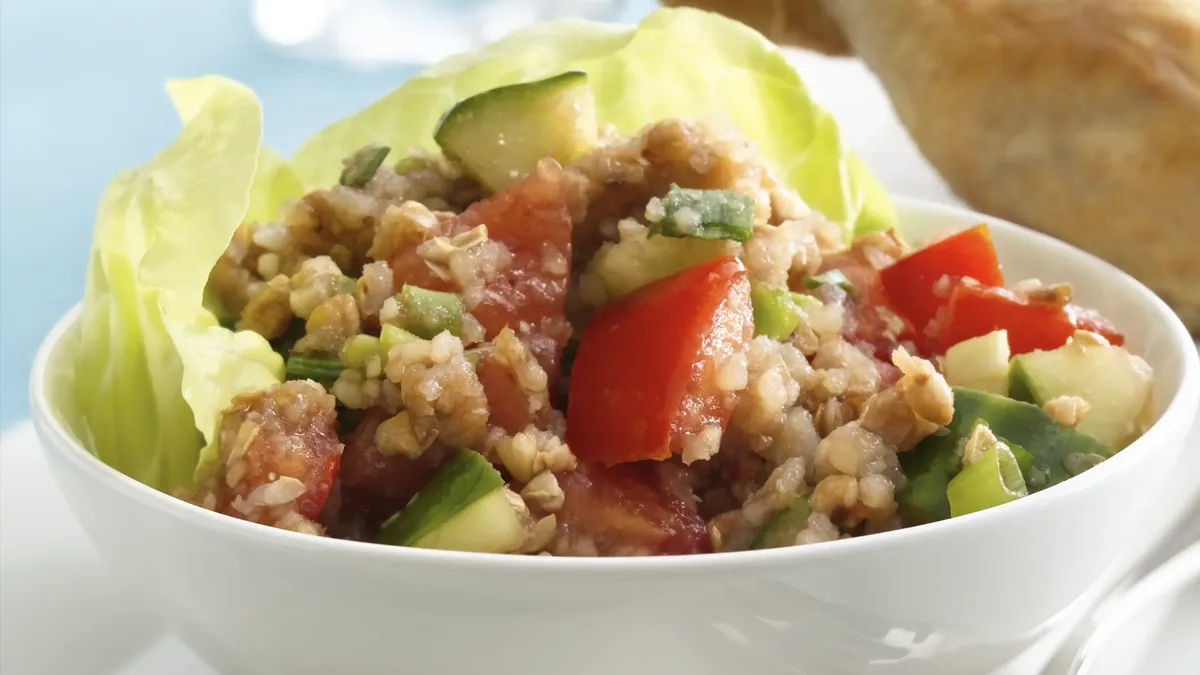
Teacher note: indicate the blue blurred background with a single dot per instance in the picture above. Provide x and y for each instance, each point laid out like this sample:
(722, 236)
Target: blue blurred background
(81, 97)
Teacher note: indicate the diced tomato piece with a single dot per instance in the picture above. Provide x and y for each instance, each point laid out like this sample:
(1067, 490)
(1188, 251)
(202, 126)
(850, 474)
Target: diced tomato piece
(909, 282)
(382, 483)
(533, 219)
(410, 268)
(626, 509)
(978, 310)
(645, 373)
(294, 435)
(507, 403)
(867, 319)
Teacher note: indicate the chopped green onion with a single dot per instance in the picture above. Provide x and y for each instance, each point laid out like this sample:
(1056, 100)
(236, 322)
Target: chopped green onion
(362, 165)
(994, 479)
(784, 525)
(323, 369)
(832, 278)
(775, 313)
(427, 313)
(344, 286)
(360, 349)
(703, 214)
(390, 336)
(806, 302)
(1024, 458)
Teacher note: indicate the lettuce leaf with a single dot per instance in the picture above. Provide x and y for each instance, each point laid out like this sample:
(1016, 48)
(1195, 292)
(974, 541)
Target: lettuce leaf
(676, 63)
(275, 182)
(151, 367)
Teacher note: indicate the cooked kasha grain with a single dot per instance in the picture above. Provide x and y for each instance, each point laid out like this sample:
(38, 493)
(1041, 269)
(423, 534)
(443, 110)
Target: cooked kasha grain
(731, 374)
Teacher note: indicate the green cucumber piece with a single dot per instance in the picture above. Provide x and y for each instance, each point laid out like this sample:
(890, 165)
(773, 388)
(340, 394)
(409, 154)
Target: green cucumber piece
(1018, 383)
(390, 336)
(427, 313)
(929, 468)
(462, 509)
(360, 349)
(775, 312)
(1116, 383)
(935, 461)
(806, 302)
(783, 525)
(490, 525)
(980, 363)
(499, 136)
(633, 262)
(705, 214)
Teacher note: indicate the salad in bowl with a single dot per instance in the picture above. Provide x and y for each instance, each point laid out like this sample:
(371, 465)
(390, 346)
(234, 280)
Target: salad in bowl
(546, 335)
(568, 325)
(548, 338)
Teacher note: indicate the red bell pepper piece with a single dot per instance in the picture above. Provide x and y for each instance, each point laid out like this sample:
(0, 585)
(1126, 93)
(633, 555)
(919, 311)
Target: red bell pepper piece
(645, 373)
(909, 282)
(978, 310)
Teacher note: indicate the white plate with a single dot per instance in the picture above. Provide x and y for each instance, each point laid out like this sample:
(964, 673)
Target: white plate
(1157, 632)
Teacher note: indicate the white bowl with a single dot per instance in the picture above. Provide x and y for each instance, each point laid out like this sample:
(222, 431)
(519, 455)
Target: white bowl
(955, 598)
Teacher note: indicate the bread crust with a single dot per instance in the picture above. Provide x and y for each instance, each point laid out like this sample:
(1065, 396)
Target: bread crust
(1080, 118)
(799, 23)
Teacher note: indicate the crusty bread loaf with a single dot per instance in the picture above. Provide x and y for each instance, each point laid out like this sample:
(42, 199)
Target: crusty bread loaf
(1077, 117)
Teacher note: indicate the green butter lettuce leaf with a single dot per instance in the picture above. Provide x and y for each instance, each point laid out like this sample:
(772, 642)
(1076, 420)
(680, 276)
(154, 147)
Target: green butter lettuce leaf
(275, 182)
(676, 63)
(151, 368)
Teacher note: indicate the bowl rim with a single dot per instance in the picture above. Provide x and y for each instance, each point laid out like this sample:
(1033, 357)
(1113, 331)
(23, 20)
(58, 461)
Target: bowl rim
(1183, 404)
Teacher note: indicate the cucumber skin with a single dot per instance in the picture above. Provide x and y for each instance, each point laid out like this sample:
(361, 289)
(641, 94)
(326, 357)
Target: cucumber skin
(462, 481)
(468, 106)
(1018, 383)
(930, 466)
(1116, 383)
(497, 167)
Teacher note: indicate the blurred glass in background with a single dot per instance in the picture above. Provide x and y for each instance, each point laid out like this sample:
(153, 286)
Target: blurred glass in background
(365, 33)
